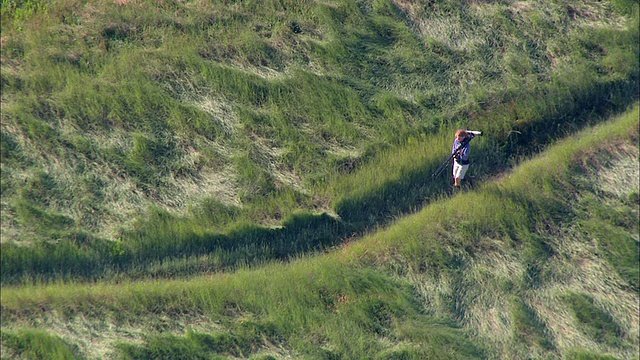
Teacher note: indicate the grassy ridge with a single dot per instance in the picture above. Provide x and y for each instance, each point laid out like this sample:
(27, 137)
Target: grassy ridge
(265, 107)
(508, 270)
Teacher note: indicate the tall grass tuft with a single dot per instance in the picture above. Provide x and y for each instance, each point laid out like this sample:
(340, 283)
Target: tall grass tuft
(37, 344)
(595, 322)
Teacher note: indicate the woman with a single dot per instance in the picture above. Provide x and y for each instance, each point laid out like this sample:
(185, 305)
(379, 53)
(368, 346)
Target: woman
(460, 151)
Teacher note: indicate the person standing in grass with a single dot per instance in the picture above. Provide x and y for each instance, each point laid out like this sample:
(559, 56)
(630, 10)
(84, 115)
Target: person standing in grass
(460, 151)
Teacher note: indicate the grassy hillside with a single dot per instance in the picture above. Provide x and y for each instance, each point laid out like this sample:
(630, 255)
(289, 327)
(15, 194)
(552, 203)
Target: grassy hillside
(146, 138)
(541, 262)
(145, 144)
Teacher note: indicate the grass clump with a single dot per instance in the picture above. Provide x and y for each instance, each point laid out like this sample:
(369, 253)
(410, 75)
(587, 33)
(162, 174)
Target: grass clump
(588, 355)
(595, 322)
(243, 341)
(191, 346)
(619, 247)
(528, 327)
(37, 344)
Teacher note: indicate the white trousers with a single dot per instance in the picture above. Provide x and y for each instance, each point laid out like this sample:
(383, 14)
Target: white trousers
(459, 170)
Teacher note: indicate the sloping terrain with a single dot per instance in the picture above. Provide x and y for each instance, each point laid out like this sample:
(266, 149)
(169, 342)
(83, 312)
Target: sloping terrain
(253, 179)
(164, 139)
(539, 263)
(229, 112)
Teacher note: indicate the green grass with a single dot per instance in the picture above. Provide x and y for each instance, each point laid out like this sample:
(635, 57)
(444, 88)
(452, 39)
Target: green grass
(147, 143)
(287, 98)
(431, 285)
(595, 322)
(527, 327)
(37, 344)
